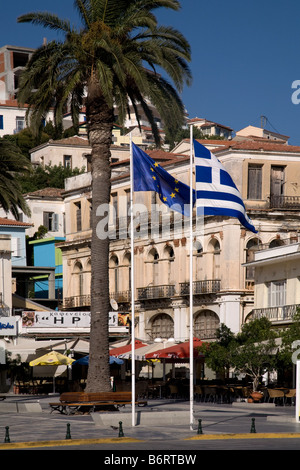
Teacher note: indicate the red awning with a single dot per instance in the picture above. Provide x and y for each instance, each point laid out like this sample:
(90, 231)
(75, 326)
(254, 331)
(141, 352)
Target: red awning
(126, 348)
(178, 351)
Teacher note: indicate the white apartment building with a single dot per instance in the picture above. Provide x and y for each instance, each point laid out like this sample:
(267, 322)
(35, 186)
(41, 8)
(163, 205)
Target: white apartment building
(71, 152)
(47, 208)
(211, 128)
(13, 59)
(277, 283)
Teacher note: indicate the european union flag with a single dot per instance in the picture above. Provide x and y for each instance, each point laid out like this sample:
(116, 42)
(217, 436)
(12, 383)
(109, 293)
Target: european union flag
(149, 176)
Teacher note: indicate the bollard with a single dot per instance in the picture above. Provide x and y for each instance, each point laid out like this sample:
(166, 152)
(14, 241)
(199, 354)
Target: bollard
(253, 430)
(68, 435)
(199, 427)
(6, 439)
(121, 434)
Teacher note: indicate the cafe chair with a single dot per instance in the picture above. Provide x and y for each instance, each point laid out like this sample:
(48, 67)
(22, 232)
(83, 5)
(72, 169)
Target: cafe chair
(290, 395)
(142, 389)
(223, 394)
(198, 392)
(276, 395)
(173, 391)
(210, 394)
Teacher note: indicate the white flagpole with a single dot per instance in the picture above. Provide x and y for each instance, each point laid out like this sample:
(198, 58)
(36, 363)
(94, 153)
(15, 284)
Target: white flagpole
(191, 285)
(132, 290)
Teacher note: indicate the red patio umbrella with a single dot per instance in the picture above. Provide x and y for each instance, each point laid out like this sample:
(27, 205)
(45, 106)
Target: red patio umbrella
(178, 351)
(126, 348)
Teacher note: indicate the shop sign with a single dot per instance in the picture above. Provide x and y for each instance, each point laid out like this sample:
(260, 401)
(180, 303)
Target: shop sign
(8, 326)
(57, 319)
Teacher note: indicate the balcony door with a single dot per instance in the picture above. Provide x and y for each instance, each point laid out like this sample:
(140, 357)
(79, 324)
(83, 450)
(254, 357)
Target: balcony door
(277, 185)
(277, 293)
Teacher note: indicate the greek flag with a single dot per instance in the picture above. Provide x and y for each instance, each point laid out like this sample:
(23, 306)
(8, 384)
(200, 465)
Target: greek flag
(216, 193)
(148, 175)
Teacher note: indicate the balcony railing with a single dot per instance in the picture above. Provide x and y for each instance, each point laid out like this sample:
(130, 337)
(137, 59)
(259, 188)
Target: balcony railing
(276, 314)
(85, 300)
(285, 202)
(156, 292)
(77, 301)
(124, 296)
(206, 333)
(201, 287)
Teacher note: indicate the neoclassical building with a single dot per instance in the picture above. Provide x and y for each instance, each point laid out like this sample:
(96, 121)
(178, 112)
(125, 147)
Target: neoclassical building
(267, 175)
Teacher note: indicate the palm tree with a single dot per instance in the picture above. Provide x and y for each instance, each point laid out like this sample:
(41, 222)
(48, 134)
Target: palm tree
(113, 61)
(12, 165)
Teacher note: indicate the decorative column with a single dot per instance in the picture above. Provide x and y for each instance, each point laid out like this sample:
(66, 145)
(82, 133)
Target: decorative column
(181, 320)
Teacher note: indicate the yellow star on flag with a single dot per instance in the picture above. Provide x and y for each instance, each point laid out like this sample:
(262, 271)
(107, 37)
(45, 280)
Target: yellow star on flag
(172, 195)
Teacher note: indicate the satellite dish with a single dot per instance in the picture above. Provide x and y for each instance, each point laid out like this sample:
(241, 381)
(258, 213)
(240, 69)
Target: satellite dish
(158, 340)
(114, 304)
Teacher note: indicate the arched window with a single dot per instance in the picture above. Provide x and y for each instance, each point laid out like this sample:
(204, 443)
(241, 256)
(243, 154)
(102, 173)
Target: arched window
(214, 254)
(214, 245)
(276, 242)
(197, 247)
(127, 263)
(88, 275)
(114, 266)
(78, 284)
(153, 255)
(166, 270)
(206, 324)
(162, 326)
(169, 252)
(252, 247)
(154, 275)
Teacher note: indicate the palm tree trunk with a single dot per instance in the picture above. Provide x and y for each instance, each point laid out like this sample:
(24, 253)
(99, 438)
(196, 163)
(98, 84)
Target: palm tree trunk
(100, 124)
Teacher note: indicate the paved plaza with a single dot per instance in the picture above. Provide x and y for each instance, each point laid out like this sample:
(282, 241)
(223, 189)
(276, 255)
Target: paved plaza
(26, 422)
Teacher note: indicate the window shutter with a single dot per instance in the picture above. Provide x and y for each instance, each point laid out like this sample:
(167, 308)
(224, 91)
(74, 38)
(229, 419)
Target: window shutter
(16, 246)
(46, 219)
(254, 182)
(55, 223)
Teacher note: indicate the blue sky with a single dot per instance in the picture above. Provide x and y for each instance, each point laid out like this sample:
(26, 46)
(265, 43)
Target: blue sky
(245, 56)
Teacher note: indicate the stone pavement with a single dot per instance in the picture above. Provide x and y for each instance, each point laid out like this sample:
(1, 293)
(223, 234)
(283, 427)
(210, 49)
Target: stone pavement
(27, 419)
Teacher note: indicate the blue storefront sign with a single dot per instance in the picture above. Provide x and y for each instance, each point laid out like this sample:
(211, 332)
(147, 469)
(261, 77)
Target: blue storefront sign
(8, 326)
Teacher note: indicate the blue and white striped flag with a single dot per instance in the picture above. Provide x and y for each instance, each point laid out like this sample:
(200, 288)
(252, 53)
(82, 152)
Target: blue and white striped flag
(216, 193)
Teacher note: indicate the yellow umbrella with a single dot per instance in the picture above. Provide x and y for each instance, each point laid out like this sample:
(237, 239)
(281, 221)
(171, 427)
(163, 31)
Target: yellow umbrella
(53, 358)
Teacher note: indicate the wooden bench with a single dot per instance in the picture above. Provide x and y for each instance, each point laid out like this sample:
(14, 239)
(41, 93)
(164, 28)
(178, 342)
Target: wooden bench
(72, 402)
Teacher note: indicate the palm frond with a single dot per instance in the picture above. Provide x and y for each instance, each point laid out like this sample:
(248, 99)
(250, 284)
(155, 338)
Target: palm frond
(12, 164)
(83, 12)
(47, 20)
